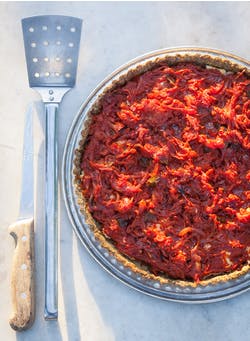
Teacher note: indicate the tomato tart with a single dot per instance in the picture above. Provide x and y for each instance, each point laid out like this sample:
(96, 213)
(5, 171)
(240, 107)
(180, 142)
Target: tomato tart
(162, 170)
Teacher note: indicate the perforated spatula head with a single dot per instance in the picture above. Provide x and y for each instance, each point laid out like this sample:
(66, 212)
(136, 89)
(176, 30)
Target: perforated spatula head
(51, 48)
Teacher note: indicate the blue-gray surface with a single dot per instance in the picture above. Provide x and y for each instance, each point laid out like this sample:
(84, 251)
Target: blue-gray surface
(94, 306)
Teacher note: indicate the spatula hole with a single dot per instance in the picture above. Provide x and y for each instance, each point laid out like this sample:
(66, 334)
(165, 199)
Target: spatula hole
(46, 59)
(72, 29)
(71, 44)
(31, 29)
(58, 59)
(33, 44)
(35, 60)
(58, 28)
(47, 74)
(37, 74)
(57, 74)
(45, 43)
(67, 75)
(44, 28)
(69, 60)
(58, 42)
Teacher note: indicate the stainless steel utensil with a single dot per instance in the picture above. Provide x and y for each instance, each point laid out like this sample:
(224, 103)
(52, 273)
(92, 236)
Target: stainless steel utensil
(22, 275)
(51, 49)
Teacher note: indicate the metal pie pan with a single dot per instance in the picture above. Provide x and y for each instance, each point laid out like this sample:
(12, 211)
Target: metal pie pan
(216, 291)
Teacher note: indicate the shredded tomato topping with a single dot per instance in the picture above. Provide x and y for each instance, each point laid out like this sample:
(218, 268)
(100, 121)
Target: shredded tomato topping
(165, 170)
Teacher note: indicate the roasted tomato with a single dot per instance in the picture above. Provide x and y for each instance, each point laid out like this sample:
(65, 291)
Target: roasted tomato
(165, 170)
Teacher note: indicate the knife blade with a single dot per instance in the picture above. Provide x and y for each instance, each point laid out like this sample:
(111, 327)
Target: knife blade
(22, 274)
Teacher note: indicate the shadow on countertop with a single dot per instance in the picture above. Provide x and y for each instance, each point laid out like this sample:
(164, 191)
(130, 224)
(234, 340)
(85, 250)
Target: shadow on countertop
(135, 316)
(68, 287)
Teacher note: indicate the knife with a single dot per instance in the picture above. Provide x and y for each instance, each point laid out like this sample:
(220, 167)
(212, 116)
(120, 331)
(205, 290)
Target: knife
(22, 274)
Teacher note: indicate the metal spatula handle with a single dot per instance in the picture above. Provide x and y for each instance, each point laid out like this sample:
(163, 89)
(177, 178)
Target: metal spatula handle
(51, 171)
(51, 49)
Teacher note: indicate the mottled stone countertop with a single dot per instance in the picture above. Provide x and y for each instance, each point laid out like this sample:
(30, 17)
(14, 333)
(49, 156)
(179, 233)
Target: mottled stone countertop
(93, 305)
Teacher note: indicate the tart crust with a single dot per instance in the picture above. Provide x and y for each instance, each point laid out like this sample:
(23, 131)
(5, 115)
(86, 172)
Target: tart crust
(224, 65)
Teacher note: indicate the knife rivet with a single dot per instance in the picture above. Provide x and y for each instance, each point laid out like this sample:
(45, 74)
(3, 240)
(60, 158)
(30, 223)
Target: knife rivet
(51, 92)
(23, 295)
(51, 98)
(24, 238)
(23, 266)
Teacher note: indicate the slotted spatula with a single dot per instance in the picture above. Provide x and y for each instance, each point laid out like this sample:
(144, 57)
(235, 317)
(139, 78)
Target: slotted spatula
(51, 49)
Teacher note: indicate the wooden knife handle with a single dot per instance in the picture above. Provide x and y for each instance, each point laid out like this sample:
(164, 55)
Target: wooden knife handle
(22, 276)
